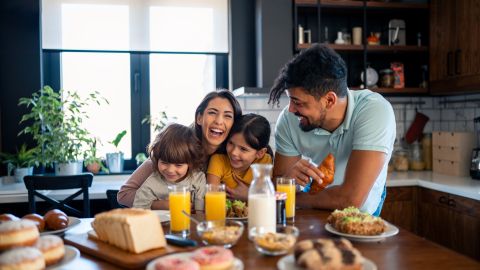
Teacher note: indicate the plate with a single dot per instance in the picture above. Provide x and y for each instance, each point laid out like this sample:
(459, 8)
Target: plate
(390, 231)
(163, 215)
(288, 263)
(72, 222)
(237, 263)
(238, 218)
(71, 253)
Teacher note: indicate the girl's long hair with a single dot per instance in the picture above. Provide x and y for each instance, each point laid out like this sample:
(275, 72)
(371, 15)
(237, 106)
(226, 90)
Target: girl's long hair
(255, 129)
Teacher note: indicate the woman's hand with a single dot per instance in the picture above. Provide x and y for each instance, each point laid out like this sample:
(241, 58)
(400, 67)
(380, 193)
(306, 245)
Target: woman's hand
(302, 170)
(240, 192)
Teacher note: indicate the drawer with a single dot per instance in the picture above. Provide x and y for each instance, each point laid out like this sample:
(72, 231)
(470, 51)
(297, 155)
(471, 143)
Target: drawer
(451, 153)
(449, 167)
(462, 140)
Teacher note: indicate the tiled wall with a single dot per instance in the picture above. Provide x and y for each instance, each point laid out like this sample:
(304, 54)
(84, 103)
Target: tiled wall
(443, 116)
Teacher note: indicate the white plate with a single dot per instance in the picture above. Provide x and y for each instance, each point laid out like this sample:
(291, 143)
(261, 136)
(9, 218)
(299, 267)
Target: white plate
(72, 222)
(71, 253)
(163, 215)
(237, 263)
(288, 263)
(390, 231)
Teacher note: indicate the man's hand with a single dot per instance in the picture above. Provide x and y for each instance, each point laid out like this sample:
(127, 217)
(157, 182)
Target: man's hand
(302, 170)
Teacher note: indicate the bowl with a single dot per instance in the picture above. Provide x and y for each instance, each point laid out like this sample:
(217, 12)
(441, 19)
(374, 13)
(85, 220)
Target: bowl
(274, 243)
(224, 232)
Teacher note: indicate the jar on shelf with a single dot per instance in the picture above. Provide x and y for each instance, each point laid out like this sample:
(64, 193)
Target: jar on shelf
(387, 78)
(427, 150)
(416, 159)
(400, 160)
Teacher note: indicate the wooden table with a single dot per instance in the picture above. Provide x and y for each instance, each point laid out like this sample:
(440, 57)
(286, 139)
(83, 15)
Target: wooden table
(403, 251)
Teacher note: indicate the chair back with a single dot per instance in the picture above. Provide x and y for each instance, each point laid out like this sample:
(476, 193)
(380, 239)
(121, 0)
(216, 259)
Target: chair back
(83, 182)
(112, 199)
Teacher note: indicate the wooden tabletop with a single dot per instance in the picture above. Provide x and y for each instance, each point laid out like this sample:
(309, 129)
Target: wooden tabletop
(403, 251)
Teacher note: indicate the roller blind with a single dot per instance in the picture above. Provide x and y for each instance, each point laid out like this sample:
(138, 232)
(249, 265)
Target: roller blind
(136, 25)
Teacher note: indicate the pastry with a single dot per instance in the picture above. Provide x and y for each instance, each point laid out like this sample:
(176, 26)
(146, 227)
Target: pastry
(56, 220)
(39, 221)
(213, 258)
(132, 229)
(7, 217)
(327, 167)
(174, 262)
(352, 221)
(328, 254)
(52, 248)
(23, 258)
(18, 233)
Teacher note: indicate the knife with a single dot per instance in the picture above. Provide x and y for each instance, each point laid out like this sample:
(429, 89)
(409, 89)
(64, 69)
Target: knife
(180, 241)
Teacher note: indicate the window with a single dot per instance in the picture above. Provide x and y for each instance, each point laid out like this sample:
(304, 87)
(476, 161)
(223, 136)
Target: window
(143, 56)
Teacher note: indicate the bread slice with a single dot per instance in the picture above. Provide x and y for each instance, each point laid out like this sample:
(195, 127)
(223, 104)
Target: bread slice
(134, 230)
(327, 167)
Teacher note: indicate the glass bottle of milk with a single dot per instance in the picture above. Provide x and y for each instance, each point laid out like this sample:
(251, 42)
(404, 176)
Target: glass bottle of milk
(261, 200)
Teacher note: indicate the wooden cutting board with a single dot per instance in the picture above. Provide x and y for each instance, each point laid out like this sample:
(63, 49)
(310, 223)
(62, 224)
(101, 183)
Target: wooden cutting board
(115, 255)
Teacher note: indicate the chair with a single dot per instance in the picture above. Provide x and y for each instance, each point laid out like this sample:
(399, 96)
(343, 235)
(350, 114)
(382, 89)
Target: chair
(112, 199)
(53, 182)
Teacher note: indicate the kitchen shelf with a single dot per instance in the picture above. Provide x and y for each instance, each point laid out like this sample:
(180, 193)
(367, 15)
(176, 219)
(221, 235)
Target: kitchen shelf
(359, 4)
(370, 48)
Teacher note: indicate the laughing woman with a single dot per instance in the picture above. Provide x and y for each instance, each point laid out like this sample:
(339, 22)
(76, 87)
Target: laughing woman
(214, 118)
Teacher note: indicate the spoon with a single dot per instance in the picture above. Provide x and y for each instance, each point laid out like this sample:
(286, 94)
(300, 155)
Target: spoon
(190, 216)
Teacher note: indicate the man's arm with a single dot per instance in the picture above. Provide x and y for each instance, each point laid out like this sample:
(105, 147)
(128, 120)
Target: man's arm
(362, 170)
(296, 167)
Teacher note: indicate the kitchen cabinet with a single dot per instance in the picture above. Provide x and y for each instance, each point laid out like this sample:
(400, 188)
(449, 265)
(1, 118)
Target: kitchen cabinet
(450, 220)
(454, 46)
(400, 207)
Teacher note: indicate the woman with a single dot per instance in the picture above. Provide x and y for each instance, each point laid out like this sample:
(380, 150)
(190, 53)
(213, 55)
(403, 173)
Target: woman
(214, 118)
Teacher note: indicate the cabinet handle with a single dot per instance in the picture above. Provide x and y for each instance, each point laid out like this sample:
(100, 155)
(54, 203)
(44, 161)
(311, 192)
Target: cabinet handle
(443, 200)
(452, 203)
(449, 63)
(457, 61)
(136, 81)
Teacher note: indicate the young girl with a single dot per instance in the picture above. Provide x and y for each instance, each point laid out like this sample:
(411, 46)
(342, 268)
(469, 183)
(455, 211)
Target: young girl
(178, 158)
(247, 144)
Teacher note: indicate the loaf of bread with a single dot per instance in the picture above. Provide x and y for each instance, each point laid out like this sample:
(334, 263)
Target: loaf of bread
(134, 230)
(327, 167)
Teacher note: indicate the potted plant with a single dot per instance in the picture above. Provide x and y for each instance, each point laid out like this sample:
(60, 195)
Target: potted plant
(115, 160)
(157, 122)
(21, 163)
(93, 163)
(55, 122)
(140, 158)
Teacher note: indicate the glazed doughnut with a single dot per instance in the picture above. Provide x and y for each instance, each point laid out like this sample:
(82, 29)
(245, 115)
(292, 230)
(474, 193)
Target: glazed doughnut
(18, 233)
(56, 220)
(7, 217)
(39, 221)
(174, 262)
(52, 248)
(213, 258)
(22, 259)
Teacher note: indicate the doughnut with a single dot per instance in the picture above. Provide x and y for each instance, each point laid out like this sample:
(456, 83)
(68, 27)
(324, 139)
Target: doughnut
(39, 221)
(22, 258)
(18, 233)
(7, 217)
(52, 248)
(56, 220)
(173, 262)
(213, 258)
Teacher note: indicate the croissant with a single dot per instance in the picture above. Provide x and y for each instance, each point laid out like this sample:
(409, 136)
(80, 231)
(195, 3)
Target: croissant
(327, 167)
(56, 219)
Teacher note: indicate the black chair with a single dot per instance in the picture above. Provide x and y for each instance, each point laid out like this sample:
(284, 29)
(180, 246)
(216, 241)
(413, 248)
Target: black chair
(54, 182)
(112, 199)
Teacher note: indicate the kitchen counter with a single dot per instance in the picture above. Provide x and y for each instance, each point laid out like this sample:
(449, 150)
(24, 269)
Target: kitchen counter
(461, 186)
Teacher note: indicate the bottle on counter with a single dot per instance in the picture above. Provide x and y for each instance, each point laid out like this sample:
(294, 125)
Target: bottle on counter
(427, 150)
(261, 200)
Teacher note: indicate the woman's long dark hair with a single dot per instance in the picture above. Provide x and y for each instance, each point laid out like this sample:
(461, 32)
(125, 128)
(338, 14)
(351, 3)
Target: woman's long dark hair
(255, 129)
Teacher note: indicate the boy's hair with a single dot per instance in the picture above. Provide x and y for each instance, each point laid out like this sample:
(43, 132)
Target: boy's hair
(317, 69)
(255, 129)
(177, 144)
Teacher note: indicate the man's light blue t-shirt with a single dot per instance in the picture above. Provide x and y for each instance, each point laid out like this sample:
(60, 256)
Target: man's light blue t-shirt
(369, 124)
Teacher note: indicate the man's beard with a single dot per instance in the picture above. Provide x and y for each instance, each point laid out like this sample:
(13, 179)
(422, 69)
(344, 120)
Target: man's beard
(310, 126)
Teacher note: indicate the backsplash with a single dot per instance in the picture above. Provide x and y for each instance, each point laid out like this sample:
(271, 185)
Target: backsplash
(444, 115)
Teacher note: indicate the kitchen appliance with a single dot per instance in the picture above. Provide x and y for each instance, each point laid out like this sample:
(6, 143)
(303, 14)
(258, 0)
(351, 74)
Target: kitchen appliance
(396, 32)
(475, 167)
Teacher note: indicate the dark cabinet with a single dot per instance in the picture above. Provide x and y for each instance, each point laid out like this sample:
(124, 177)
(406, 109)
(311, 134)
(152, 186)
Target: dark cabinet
(454, 46)
(400, 207)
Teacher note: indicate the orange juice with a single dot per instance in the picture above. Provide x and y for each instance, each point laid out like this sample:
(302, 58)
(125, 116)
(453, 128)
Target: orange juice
(288, 188)
(179, 201)
(215, 205)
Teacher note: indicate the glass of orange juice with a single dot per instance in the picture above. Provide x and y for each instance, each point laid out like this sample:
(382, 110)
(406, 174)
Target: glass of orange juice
(179, 200)
(287, 185)
(215, 202)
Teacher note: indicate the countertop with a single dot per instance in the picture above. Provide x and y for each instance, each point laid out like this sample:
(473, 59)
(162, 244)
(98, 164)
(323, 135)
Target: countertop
(461, 186)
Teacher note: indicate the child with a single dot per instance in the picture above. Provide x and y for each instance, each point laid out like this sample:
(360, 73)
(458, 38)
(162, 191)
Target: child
(177, 157)
(247, 144)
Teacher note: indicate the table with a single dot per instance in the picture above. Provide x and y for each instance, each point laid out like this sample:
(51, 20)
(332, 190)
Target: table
(403, 251)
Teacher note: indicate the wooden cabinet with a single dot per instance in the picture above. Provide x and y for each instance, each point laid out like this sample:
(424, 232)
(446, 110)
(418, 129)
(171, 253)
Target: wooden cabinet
(450, 220)
(454, 46)
(400, 207)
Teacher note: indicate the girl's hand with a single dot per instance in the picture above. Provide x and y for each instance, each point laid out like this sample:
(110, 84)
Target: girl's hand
(240, 192)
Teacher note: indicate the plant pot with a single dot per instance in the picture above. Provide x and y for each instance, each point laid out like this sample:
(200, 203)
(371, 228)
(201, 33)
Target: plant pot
(70, 168)
(93, 167)
(115, 162)
(19, 173)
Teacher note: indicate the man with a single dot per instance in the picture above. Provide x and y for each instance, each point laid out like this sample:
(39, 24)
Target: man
(324, 116)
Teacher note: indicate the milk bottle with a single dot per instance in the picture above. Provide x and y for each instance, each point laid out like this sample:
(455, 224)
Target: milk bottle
(261, 200)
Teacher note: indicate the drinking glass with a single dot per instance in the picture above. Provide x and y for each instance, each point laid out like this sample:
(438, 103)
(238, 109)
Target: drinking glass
(179, 200)
(215, 202)
(287, 185)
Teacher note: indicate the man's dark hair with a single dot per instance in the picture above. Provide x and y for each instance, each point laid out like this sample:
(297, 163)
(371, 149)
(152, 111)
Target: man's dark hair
(317, 69)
